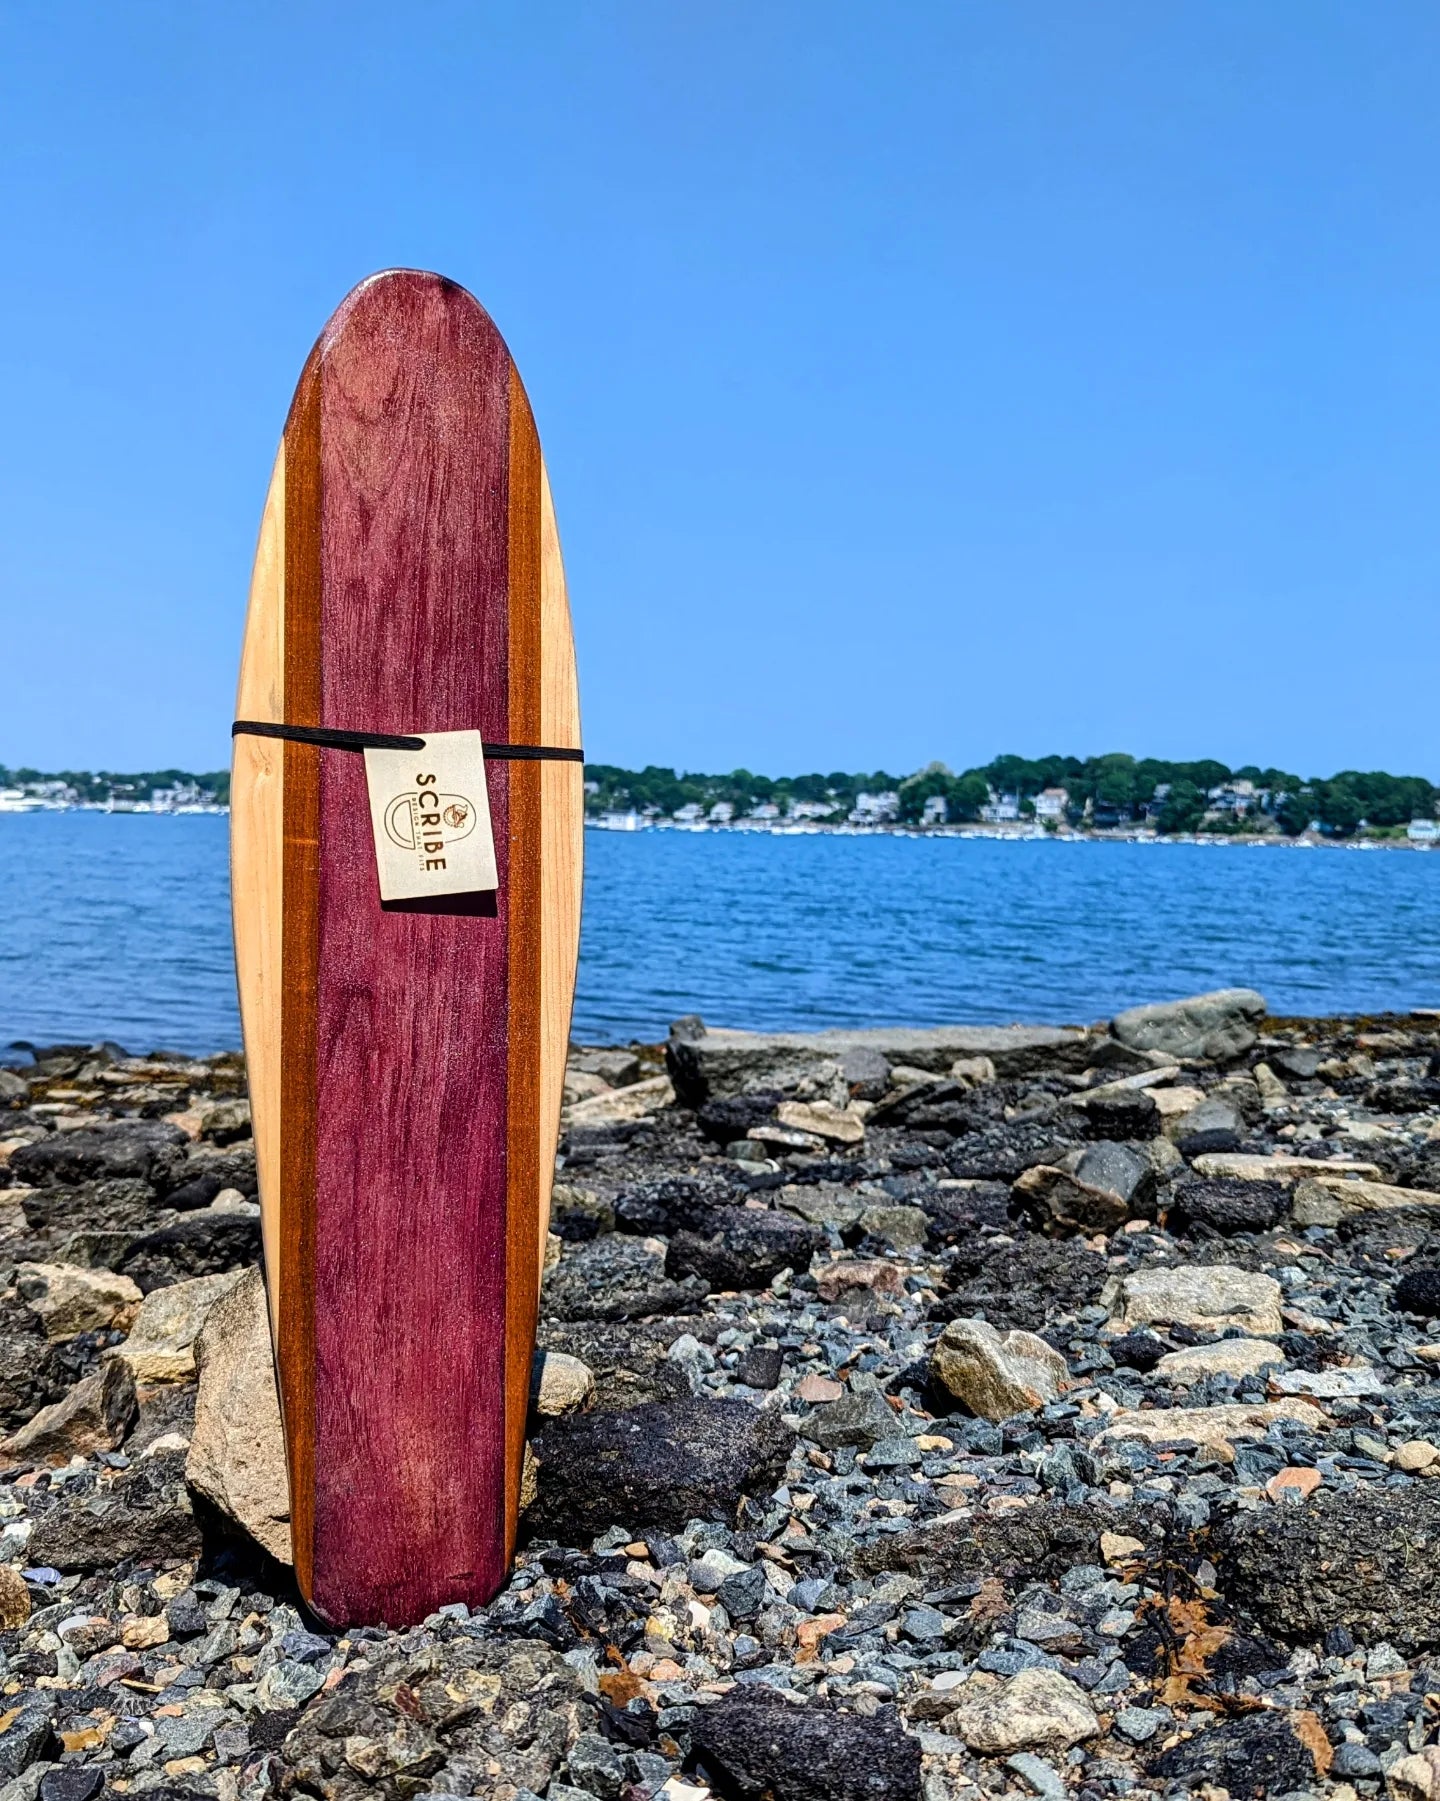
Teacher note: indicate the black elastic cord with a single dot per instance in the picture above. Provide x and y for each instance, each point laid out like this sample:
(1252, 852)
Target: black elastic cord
(330, 739)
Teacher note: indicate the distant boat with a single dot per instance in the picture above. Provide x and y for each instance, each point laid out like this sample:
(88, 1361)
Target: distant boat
(16, 800)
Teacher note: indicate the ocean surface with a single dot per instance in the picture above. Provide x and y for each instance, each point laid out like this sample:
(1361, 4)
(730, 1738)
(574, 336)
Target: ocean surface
(118, 927)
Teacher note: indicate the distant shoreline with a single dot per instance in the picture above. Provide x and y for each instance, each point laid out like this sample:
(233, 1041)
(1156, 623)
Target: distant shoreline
(747, 828)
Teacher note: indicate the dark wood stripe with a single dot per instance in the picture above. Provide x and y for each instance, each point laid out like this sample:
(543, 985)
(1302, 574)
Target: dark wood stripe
(522, 912)
(414, 1014)
(300, 959)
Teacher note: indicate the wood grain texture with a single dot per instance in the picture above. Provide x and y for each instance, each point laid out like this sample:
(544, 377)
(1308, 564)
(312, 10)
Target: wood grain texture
(257, 839)
(419, 1052)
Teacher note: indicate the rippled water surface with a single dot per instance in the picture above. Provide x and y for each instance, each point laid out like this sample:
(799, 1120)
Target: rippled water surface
(118, 927)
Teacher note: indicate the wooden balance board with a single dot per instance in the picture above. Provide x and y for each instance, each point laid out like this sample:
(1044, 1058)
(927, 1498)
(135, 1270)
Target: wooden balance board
(405, 1065)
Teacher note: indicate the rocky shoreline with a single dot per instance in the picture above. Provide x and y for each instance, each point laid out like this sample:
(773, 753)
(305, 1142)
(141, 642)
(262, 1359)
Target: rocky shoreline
(921, 1413)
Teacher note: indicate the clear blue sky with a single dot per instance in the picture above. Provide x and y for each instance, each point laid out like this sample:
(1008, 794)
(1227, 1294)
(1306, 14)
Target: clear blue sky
(916, 381)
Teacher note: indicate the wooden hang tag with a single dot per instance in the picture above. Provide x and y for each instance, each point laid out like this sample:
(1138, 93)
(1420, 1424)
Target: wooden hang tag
(430, 813)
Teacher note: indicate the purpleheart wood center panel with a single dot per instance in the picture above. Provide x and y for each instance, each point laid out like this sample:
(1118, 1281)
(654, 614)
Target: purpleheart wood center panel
(412, 1008)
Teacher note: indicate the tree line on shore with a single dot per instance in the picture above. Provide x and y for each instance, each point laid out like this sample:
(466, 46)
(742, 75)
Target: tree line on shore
(1110, 790)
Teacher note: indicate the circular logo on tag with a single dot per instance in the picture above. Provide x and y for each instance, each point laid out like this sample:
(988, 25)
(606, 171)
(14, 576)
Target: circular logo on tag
(442, 819)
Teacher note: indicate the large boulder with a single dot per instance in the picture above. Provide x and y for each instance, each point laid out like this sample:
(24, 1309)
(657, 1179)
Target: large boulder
(658, 1465)
(756, 1742)
(707, 1062)
(68, 1299)
(161, 1345)
(237, 1449)
(1362, 1557)
(1217, 1026)
(147, 1149)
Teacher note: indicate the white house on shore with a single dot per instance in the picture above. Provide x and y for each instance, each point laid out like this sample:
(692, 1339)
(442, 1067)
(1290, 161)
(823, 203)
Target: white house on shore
(1050, 803)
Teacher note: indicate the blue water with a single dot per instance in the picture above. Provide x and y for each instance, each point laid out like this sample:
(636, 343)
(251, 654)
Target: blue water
(118, 926)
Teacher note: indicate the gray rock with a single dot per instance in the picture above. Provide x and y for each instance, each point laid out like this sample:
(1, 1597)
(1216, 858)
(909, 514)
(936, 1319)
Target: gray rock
(29, 1737)
(657, 1465)
(756, 1742)
(822, 1206)
(560, 1384)
(236, 1458)
(1044, 1778)
(67, 1299)
(508, 1712)
(94, 1416)
(616, 1278)
(900, 1227)
(1218, 1026)
(862, 1417)
(711, 1062)
(1125, 1173)
(161, 1345)
(144, 1513)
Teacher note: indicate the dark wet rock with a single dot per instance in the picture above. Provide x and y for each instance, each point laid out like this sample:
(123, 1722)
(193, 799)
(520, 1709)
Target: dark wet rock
(1038, 1543)
(146, 1149)
(743, 1247)
(1418, 1291)
(1298, 1061)
(1256, 1755)
(761, 1367)
(616, 1278)
(145, 1512)
(33, 1372)
(757, 1745)
(661, 1464)
(723, 1121)
(956, 1214)
(72, 1782)
(1226, 1207)
(197, 1244)
(1022, 1284)
(1138, 1351)
(628, 1360)
(1001, 1153)
(951, 1107)
(1123, 1172)
(125, 1204)
(206, 1172)
(1218, 1026)
(1404, 1097)
(671, 1203)
(1057, 1202)
(1118, 1116)
(579, 1214)
(497, 1716)
(1362, 1557)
